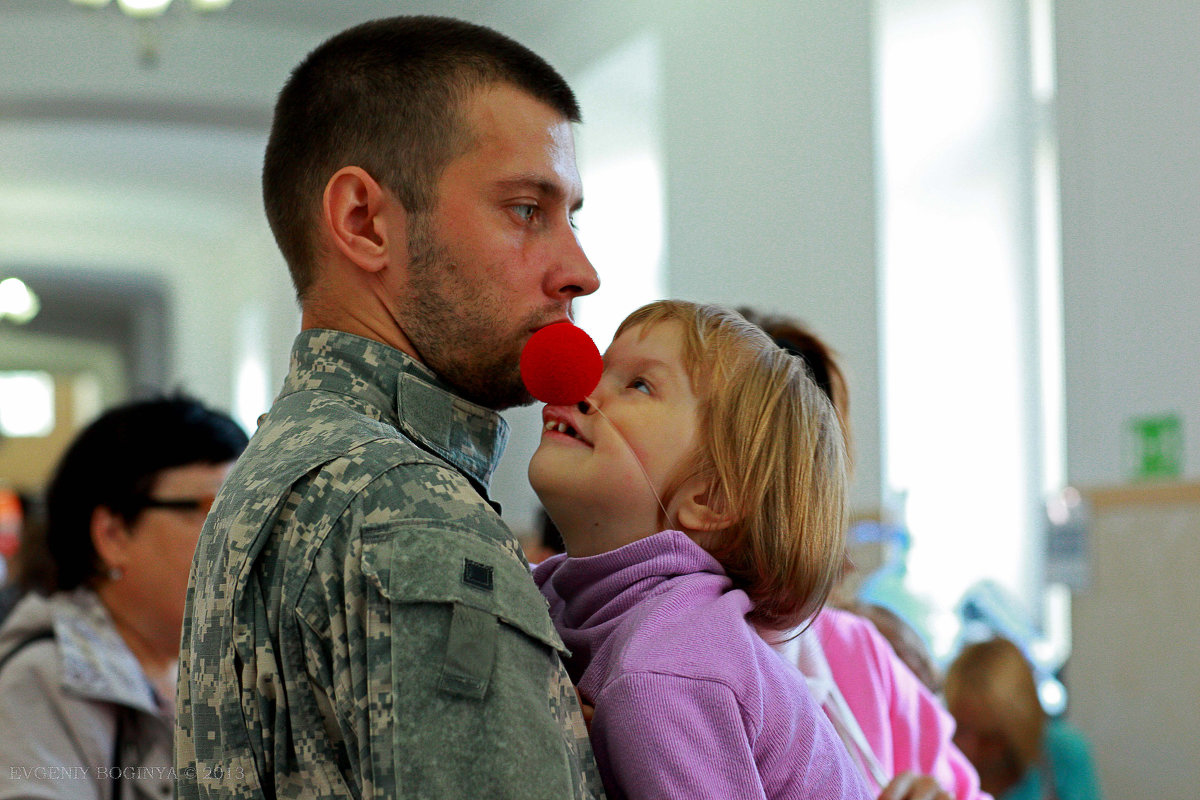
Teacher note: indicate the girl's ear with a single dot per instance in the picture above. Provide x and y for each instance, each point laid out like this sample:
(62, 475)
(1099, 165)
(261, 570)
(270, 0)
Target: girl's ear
(110, 537)
(699, 507)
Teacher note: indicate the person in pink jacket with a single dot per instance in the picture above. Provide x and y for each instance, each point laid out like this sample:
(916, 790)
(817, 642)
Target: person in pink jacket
(896, 730)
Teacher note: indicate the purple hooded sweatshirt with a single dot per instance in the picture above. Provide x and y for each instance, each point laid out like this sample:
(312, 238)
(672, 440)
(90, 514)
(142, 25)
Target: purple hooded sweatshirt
(690, 701)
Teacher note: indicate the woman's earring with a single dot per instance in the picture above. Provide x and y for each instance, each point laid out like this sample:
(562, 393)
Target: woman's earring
(115, 573)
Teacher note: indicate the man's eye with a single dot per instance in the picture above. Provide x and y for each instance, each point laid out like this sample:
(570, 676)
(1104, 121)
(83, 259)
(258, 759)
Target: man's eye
(525, 212)
(639, 385)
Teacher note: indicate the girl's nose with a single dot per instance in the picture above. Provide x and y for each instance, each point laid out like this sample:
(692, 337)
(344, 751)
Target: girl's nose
(584, 407)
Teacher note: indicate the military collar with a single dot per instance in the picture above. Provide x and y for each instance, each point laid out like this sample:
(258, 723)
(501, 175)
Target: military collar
(393, 387)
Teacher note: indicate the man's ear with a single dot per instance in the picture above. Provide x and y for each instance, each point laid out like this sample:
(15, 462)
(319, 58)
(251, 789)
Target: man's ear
(110, 537)
(699, 507)
(356, 210)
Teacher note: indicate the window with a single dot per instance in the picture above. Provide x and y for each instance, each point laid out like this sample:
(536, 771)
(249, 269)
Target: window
(971, 335)
(26, 403)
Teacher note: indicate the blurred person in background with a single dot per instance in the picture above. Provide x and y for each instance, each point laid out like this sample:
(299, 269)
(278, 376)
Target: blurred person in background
(1020, 753)
(546, 541)
(905, 640)
(88, 656)
(894, 727)
(21, 527)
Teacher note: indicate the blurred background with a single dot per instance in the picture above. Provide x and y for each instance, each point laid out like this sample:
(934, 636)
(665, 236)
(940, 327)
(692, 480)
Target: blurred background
(990, 208)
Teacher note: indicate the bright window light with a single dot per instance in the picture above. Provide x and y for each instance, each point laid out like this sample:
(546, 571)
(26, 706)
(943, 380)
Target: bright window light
(26, 404)
(251, 395)
(621, 225)
(621, 231)
(970, 341)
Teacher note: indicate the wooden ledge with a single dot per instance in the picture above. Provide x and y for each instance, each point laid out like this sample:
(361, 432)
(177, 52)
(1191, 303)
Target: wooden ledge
(1142, 494)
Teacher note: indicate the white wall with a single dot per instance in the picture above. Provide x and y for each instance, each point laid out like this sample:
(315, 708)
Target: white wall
(767, 140)
(1128, 117)
(108, 165)
(211, 247)
(769, 145)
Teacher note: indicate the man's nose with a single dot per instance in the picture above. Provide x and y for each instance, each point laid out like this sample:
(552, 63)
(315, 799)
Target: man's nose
(576, 277)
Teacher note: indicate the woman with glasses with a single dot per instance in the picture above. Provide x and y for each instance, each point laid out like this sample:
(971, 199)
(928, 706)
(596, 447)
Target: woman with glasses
(87, 661)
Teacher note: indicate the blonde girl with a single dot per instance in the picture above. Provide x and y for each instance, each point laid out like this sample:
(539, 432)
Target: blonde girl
(700, 491)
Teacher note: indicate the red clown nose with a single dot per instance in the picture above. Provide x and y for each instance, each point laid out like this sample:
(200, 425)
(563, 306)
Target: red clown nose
(560, 364)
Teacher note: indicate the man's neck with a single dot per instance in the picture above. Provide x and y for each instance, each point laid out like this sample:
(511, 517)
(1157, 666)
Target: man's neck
(349, 300)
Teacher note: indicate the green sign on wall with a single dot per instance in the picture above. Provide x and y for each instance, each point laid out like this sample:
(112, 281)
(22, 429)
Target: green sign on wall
(1155, 446)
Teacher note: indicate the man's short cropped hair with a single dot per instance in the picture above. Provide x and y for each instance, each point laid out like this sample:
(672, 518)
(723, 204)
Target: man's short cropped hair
(387, 96)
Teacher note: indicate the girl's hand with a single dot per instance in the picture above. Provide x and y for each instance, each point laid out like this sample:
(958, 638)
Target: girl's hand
(588, 711)
(911, 786)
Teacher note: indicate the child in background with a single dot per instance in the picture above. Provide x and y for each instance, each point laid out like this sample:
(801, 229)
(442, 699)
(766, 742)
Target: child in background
(700, 492)
(1020, 754)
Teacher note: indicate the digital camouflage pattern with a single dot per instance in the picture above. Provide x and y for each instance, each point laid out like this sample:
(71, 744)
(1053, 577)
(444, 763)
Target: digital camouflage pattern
(361, 623)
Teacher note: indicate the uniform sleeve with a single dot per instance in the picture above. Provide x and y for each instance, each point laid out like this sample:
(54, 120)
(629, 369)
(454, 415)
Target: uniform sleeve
(663, 736)
(51, 742)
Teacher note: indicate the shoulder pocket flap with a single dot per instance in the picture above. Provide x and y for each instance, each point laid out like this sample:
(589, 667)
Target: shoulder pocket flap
(443, 565)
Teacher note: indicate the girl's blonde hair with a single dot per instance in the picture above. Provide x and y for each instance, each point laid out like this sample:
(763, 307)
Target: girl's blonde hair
(997, 674)
(773, 449)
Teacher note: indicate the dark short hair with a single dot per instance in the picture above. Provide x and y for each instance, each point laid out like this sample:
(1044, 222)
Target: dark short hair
(114, 463)
(386, 96)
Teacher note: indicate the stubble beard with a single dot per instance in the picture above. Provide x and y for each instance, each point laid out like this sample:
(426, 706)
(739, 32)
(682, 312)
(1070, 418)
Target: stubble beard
(458, 330)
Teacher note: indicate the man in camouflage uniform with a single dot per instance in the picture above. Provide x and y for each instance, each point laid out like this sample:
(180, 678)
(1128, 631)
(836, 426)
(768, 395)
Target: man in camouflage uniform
(361, 623)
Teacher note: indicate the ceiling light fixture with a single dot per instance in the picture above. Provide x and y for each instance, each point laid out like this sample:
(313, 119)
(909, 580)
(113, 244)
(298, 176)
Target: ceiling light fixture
(149, 9)
(148, 13)
(143, 9)
(18, 303)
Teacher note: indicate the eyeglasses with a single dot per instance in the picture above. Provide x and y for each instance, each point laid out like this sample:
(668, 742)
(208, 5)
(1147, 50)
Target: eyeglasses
(200, 504)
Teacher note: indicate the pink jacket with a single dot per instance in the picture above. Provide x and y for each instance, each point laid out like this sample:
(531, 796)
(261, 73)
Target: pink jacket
(904, 725)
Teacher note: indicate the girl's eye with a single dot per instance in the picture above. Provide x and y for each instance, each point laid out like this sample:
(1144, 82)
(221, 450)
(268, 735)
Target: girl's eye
(639, 385)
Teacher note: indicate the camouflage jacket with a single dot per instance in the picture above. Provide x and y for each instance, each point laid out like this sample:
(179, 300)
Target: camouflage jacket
(360, 621)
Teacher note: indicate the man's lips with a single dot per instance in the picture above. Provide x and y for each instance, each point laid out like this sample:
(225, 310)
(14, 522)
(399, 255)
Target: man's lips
(546, 323)
(561, 420)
